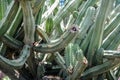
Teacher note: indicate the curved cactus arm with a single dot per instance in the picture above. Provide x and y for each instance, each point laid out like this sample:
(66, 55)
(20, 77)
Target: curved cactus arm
(106, 66)
(42, 34)
(63, 41)
(29, 22)
(18, 63)
(10, 15)
(11, 42)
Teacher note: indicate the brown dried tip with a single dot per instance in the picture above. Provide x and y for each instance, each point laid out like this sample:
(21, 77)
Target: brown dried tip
(85, 61)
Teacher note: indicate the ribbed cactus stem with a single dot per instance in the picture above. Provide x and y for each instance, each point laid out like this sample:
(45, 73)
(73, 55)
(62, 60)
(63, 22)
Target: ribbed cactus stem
(107, 41)
(70, 7)
(86, 24)
(37, 7)
(111, 54)
(70, 59)
(83, 10)
(16, 22)
(85, 43)
(42, 34)
(29, 22)
(50, 10)
(60, 60)
(12, 42)
(10, 15)
(115, 11)
(99, 69)
(80, 66)
(60, 44)
(111, 26)
(97, 36)
(19, 62)
(115, 43)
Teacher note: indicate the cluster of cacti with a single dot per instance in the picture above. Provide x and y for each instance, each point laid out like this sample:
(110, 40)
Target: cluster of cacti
(75, 41)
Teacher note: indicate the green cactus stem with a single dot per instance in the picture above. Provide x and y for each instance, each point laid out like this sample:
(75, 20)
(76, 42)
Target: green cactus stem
(97, 35)
(70, 7)
(83, 10)
(50, 10)
(37, 6)
(99, 56)
(99, 69)
(115, 43)
(12, 42)
(29, 22)
(16, 22)
(114, 12)
(107, 41)
(8, 70)
(111, 26)
(70, 58)
(110, 75)
(111, 54)
(117, 74)
(10, 15)
(80, 66)
(85, 43)
(18, 63)
(42, 34)
(60, 44)
(59, 59)
(86, 23)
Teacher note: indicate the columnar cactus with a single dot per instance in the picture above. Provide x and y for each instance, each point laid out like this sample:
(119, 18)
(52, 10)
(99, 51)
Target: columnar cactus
(79, 40)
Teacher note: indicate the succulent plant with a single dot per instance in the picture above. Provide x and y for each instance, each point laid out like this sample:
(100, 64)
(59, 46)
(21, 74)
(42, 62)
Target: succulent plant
(72, 40)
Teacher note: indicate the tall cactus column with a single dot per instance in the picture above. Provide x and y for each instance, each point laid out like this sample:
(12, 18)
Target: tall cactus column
(29, 22)
(96, 40)
(29, 30)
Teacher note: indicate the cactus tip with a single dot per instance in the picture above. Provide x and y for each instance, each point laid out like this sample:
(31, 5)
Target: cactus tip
(74, 28)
